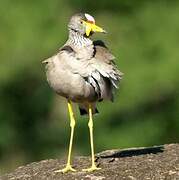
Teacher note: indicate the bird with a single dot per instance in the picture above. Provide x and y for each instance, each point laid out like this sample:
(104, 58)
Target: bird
(84, 72)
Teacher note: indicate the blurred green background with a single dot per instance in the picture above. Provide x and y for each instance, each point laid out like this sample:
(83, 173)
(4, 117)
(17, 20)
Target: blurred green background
(143, 35)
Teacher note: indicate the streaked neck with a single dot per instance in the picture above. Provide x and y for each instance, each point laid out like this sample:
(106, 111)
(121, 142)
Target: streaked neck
(78, 40)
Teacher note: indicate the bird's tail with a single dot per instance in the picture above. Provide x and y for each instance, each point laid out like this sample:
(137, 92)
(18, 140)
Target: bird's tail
(84, 108)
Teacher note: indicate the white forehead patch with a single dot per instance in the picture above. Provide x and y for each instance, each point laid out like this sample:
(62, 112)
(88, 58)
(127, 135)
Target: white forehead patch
(89, 18)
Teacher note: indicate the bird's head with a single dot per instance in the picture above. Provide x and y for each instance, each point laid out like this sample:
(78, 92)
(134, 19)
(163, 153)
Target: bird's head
(84, 24)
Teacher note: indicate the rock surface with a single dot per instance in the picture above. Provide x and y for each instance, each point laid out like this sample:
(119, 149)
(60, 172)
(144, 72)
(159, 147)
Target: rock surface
(153, 163)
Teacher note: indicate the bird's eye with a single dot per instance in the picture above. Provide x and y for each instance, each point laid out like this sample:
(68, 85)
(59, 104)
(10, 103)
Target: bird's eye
(81, 22)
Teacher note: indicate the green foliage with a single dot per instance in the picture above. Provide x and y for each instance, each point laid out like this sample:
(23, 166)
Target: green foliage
(33, 120)
(121, 6)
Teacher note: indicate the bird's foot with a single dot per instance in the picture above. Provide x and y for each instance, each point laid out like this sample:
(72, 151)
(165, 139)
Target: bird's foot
(66, 169)
(92, 168)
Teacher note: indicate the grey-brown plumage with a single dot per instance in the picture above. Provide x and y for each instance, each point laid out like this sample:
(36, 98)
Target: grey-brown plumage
(82, 71)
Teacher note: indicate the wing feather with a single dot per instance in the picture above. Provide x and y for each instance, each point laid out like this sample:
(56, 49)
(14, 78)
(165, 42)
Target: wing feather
(100, 71)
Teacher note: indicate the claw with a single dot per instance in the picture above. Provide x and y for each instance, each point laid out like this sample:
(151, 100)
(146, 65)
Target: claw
(66, 169)
(92, 168)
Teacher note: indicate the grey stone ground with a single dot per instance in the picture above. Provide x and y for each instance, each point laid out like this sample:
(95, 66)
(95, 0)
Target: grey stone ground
(153, 163)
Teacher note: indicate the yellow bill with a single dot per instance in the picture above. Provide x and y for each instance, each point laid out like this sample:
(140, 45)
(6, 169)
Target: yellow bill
(91, 27)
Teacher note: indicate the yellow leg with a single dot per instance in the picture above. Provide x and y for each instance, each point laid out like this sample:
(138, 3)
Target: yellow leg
(90, 125)
(72, 125)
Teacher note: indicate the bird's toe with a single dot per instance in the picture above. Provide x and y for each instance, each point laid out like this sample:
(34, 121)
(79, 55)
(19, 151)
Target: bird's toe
(92, 168)
(66, 169)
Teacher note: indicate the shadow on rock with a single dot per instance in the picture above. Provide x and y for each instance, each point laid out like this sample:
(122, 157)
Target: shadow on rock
(132, 152)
